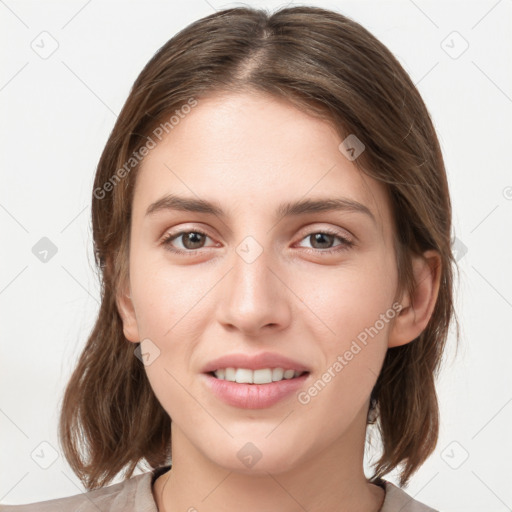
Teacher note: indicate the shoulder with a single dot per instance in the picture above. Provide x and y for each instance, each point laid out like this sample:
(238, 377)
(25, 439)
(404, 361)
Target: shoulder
(133, 494)
(398, 499)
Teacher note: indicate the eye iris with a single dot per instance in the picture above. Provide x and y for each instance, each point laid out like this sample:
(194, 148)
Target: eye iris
(191, 239)
(320, 238)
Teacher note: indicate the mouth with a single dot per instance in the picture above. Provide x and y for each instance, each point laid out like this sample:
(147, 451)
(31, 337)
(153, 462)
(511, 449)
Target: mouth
(260, 376)
(262, 388)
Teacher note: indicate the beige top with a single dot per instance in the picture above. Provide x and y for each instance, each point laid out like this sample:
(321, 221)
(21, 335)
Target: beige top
(135, 495)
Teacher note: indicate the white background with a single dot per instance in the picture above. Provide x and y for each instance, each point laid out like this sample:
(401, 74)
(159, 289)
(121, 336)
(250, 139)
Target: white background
(56, 116)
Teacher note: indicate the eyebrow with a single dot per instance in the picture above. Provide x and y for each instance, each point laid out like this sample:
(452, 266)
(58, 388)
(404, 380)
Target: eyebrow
(290, 209)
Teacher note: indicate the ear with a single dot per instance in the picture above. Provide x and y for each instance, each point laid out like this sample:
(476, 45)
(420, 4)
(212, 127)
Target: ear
(418, 306)
(127, 312)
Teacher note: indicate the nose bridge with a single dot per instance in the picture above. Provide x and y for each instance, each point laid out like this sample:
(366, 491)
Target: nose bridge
(252, 279)
(253, 296)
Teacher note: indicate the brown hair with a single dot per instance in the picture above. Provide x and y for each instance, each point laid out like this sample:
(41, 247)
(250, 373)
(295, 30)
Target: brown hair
(331, 67)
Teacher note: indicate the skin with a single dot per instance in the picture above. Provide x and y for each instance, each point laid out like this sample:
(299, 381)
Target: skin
(250, 152)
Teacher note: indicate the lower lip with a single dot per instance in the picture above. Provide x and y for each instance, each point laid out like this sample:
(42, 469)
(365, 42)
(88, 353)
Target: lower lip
(254, 396)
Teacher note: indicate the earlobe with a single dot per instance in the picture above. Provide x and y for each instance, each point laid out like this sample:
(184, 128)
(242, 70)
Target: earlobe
(418, 306)
(127, 312)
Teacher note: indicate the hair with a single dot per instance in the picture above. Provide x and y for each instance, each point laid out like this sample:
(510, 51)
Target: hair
(331, 67)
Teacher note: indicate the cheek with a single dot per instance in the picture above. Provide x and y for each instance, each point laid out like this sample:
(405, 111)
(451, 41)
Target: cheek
(350, 298)
(164, 295)
(354, 304)
(170, 303)
(357, 309)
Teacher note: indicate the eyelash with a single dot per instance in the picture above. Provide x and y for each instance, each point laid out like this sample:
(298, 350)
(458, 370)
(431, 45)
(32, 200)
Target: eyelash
(346, 243)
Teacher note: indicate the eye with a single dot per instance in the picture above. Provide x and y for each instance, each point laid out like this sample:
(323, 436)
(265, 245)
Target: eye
(322, 241)
(190, 240)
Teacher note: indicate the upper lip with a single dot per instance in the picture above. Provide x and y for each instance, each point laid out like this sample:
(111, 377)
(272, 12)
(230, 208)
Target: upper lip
(254, 362)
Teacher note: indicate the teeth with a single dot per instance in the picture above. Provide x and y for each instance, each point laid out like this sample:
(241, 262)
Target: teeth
(262, 376)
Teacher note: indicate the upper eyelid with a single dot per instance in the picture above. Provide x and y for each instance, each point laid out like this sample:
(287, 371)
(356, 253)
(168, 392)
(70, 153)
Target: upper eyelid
(307, 229)
(335, 231)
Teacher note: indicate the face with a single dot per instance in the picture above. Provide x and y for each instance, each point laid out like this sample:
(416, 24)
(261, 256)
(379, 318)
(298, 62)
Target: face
(316, 285)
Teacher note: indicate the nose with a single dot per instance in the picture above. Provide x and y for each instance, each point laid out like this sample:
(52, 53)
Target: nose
(254, 296)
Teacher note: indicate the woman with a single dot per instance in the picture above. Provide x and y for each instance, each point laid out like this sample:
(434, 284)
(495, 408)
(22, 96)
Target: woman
(271, 220)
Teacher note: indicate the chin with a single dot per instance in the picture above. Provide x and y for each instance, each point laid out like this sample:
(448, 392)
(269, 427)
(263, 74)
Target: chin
(256, 458)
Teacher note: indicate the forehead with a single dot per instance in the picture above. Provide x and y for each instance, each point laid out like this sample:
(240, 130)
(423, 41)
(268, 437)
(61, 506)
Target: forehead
(253, 150)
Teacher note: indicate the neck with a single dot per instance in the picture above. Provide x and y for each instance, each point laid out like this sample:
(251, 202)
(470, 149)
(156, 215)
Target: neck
(333, 480)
